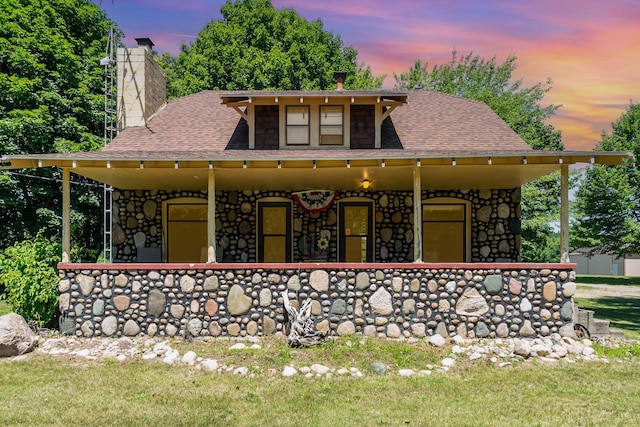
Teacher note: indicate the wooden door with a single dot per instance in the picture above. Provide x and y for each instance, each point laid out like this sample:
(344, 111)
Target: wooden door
(356, 232)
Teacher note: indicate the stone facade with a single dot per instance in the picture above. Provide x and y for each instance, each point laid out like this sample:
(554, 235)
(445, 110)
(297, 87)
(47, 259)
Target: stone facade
(495, 223)
(403, 301)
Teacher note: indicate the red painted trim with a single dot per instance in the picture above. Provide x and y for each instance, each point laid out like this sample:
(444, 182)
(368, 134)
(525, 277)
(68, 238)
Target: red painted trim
(313, 265)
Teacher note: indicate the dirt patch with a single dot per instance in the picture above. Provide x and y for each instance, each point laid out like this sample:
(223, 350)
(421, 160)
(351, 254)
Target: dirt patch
(604, 291)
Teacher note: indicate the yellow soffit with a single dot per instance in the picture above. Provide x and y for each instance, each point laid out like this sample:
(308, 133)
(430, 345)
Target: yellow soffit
(436, 172)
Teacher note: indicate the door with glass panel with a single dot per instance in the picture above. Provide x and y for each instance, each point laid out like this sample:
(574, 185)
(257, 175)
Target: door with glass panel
(186, 232)
(274, 232)
(444, 232)
(356, 232)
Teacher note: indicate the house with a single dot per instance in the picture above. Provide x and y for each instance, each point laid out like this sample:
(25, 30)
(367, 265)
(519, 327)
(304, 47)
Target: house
(588, 262)
(397, 213)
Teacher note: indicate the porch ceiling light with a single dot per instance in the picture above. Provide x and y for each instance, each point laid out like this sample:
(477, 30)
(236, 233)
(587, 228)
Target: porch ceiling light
(366, 184)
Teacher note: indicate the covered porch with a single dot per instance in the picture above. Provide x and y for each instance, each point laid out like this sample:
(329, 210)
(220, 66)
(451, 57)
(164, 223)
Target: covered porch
(411, 185)
(406, 290)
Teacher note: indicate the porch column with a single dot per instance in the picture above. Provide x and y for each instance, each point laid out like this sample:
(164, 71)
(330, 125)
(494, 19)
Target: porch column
(564, 213)
(66, 214)
(211, 217)
(417, 215)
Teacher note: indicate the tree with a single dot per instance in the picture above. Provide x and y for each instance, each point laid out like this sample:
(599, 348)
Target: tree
(51, 100)
(608, 199)
(254, 47)
(30, 279)
(473, 77)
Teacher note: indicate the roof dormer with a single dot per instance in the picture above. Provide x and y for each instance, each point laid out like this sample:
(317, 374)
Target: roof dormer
(314, 119)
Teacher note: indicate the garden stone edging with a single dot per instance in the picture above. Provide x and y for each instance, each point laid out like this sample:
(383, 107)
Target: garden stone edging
(501, 353)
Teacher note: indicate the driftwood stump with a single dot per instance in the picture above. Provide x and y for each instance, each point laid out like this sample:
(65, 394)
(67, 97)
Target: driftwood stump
(302, 331)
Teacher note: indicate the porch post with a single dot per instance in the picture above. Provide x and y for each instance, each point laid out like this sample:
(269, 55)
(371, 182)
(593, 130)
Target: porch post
(211, 218)
(66, 214)
(417, 215)
(564, 213)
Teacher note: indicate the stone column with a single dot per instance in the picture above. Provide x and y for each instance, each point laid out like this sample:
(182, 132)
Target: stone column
(66, 214)
(417, 215)
(564, 213)
(211, 217)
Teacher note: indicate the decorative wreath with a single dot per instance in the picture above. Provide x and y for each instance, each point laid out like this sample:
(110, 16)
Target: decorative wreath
(323, 243)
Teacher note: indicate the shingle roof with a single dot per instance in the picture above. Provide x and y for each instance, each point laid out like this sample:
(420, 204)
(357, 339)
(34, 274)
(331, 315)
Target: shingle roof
(431, 123)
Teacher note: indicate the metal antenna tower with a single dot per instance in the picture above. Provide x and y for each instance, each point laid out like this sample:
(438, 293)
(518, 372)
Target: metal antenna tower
(110, 130)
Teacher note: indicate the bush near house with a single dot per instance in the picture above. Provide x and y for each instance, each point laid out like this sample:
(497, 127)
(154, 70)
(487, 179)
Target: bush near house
(30, 280)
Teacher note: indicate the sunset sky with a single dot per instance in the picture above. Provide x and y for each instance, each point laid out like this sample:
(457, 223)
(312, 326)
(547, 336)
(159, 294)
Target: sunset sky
(589, 48)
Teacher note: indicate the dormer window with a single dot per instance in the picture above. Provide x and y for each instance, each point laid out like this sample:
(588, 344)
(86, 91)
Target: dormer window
(301, 120)
(298, 125)
(331, 125)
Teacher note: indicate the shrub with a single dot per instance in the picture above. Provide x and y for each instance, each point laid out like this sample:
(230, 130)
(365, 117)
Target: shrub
(30, 279)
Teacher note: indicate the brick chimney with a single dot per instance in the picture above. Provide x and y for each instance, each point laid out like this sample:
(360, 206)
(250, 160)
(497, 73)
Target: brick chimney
(142, 85)
(339, 77)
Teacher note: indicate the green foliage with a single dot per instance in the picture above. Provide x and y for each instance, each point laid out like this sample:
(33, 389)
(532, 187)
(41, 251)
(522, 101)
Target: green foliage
(521, 108)
(29, 276)
(622, 351)
(255, 47)
(608, 199)
(51, 100)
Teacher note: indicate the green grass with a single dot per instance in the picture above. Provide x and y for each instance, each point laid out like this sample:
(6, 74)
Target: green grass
(623, 313)
(4, 308)
(608, 280)
(138, 393)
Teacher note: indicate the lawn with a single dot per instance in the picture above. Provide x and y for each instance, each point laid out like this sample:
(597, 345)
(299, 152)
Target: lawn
(607, 280)
(4, 308)
(622, 312)
(45, 390)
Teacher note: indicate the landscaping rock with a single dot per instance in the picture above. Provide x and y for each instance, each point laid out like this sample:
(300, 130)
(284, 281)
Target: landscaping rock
(16, 337)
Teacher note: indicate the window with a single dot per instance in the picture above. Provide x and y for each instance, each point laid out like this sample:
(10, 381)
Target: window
(445, 231)
(274, 232)
(331, 119)
(298, 125)
(186, 232)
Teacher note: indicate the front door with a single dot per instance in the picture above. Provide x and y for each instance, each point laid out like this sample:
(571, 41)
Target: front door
(274, 232)
(356, 231)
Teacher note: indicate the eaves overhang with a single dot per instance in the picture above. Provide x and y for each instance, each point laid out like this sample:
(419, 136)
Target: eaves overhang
(283, 171)
(274, 97)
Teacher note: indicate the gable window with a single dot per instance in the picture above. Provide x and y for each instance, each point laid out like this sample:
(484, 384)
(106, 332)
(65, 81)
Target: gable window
(331, 125)
(298, 125)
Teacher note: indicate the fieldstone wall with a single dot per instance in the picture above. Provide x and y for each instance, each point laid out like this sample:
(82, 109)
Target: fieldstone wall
(495, 223)
(395, 302)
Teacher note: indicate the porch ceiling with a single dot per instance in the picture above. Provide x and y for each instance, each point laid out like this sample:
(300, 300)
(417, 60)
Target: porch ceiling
(441, 172)
(329, 178)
